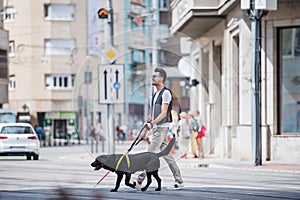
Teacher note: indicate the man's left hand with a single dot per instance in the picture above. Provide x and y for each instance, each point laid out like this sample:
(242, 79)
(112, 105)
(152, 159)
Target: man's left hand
(149, 125)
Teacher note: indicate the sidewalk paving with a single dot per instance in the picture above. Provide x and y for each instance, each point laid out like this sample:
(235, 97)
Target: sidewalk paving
(212, 162)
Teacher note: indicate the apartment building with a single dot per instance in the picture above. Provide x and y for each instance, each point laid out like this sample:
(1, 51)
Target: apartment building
(3, 59)
(58, 47)
(221, 56)
(47, 45)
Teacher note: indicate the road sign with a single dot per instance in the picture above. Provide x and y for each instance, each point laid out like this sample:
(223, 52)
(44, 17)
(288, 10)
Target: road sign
(111, 54)
(111, 84)
(102, 13)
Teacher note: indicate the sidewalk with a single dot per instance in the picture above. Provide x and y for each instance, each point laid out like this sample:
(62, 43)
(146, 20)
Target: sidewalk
(212, 162)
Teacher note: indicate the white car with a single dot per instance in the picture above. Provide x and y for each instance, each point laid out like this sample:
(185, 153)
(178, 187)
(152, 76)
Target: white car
(19, 139)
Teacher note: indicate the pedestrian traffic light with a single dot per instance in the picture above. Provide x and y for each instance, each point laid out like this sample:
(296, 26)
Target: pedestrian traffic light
(102, 13)
(195, 82)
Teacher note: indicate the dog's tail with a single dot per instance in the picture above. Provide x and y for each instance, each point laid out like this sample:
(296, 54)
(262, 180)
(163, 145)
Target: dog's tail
(168, 148)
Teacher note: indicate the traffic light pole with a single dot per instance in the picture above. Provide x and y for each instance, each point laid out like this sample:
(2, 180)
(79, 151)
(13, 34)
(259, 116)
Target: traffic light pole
(110, 107)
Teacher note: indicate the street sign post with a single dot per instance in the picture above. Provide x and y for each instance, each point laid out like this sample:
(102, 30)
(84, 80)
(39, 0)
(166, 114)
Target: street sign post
(111, 84)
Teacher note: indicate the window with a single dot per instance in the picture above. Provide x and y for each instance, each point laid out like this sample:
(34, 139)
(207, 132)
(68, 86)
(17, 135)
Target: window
(16, 130)
(59, 46)
(138, 56)
(236, 78)
(12, 83)
(289, 79)
(138, 25)
(99, 117)
(164, 5)
(9, 14)
(164, 32)
(3, 64)
(59, 12)
(59, 82)
(11, 48)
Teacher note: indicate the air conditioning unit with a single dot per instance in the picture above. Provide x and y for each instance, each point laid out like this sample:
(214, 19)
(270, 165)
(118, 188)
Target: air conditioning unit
(260, 4)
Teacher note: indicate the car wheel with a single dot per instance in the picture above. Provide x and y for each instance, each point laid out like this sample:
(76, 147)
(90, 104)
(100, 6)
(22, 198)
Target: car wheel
(28, 157)
(35, 157)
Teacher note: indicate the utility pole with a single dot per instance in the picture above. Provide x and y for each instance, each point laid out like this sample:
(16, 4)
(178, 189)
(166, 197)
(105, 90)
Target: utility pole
(257, 9)
(110, 107)
(152, 32)
(155, 33)
(87, 81)
(148, 71)
(256, 16)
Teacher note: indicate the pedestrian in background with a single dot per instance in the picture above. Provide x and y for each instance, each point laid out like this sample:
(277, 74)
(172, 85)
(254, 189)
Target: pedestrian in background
(194, 132)
(120, 135)
(184, 134)
(39, 131)
(47, 137)
(99, 133)
(200, 135)
(171, 134)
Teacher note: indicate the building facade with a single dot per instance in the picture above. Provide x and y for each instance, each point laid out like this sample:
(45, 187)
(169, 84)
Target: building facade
(58, 47)
(47, 41)
(221, 56)
(3, 60)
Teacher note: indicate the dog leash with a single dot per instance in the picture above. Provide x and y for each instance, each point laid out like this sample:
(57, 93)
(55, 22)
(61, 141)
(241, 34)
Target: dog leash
(135, 142)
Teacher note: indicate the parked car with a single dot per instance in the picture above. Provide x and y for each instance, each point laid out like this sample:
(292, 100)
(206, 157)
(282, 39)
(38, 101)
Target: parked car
(19, 139)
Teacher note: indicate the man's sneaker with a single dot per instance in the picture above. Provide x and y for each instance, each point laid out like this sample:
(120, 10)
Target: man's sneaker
(137, 185)
(176, 186)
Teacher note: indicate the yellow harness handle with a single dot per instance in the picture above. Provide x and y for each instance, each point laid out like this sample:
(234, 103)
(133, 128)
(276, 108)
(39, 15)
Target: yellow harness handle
(120, 160)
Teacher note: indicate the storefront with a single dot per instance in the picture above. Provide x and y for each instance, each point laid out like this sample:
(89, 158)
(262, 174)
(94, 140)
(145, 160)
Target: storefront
(61, 126)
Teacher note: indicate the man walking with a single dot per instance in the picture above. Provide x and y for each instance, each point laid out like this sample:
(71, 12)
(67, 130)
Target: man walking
(159, 120)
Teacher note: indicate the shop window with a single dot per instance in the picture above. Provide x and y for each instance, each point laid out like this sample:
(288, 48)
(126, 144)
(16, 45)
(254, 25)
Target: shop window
(59, 12)
(59, 46)
(289, 80)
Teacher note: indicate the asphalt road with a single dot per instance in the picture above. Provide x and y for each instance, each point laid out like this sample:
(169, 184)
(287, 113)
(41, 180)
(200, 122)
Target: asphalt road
(65, 173)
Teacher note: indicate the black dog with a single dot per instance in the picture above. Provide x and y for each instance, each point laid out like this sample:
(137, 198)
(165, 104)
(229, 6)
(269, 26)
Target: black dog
(129, 164)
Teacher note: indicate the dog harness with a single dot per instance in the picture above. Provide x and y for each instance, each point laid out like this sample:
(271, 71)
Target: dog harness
(120, 160)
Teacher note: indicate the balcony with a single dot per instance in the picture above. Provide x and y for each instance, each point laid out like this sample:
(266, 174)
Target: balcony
(196, 17)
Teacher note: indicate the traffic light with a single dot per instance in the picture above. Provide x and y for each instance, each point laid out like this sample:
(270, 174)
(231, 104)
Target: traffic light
(102, 13)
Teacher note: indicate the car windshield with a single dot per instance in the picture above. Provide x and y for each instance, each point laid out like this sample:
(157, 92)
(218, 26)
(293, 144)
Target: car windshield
(16, 130)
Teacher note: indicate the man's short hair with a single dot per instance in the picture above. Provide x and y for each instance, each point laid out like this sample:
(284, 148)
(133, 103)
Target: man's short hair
(161, 72)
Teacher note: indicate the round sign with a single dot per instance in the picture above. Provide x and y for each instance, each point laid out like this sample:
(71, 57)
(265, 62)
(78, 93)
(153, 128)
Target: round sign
(117, 85)
(185, 66)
